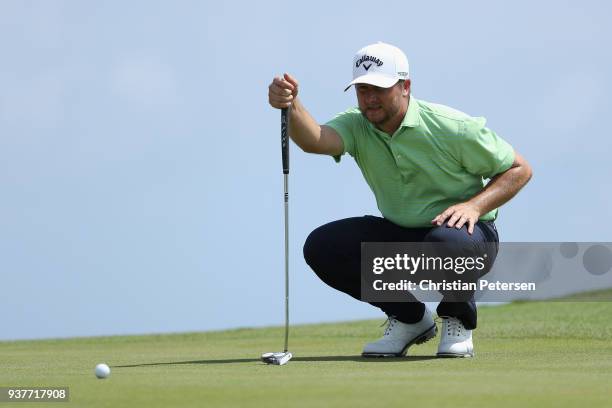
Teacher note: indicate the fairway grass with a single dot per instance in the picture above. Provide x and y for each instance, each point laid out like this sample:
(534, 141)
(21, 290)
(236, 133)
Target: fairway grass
(536, 354)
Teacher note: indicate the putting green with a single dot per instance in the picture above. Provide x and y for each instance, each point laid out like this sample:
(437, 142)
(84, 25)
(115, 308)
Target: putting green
(544, 354)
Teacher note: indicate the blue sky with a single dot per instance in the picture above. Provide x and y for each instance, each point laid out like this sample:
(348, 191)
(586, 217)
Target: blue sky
(140, 163)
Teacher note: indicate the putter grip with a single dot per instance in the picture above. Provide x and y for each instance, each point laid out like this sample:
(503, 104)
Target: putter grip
(285, 139)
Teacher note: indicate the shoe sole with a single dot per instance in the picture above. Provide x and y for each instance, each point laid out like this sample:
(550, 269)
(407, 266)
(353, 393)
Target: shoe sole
(420, 339)
(454, 355)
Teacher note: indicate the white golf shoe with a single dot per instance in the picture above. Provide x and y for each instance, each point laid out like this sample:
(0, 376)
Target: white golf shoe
(399, 336)
(456, 340)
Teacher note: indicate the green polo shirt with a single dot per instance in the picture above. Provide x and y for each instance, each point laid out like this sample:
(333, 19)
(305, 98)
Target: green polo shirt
(438, 157)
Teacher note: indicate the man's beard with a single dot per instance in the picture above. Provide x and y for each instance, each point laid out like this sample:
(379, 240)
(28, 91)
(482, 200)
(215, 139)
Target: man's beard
(385, 117)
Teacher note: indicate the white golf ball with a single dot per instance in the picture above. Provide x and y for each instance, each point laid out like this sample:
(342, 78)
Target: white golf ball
(102, 370)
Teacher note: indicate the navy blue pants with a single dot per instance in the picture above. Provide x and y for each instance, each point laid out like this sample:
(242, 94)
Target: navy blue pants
(333, 251)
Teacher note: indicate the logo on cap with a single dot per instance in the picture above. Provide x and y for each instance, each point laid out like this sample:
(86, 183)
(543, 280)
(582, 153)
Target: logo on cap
(368, 58)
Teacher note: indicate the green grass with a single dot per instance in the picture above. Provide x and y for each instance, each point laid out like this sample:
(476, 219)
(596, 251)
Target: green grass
(540, 354)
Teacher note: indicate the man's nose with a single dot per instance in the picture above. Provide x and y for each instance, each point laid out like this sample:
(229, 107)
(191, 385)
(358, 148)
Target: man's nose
(371, 98)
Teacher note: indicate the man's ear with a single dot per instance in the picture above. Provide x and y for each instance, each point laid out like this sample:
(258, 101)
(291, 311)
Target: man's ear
(406, 88)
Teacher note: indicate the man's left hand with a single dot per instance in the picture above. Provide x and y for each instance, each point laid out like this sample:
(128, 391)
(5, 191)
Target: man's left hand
(458, 215)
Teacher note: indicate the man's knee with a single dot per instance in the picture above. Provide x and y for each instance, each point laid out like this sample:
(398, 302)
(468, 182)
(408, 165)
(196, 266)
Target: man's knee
(318, 255)
(457, 243)
(314, 247)
(446, 234)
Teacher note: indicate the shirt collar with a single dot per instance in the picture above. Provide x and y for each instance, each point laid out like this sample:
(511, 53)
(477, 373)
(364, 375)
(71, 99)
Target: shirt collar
(412, 117)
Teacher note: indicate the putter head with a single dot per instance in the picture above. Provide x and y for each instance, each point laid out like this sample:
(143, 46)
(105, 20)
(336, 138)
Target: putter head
(266, 357)
(280, 358)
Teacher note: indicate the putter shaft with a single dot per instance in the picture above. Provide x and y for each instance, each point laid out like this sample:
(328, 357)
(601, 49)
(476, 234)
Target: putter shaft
(285, 156)
(286, 262)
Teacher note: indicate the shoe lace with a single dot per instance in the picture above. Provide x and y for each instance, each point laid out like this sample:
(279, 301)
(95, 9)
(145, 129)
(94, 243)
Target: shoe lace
(390, 322)
(453, 326)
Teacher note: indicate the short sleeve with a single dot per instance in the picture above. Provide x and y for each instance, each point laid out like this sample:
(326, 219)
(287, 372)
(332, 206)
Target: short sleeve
(344, 124)
(483, 152)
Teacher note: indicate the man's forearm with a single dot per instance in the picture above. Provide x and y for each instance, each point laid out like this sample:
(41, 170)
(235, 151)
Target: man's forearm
(303, 128)
(502, 188)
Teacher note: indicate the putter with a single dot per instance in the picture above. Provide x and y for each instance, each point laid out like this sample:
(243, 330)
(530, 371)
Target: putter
(282, 358)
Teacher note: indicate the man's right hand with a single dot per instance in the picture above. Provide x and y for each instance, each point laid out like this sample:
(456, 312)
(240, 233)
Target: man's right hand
(303, 129)
(282, 91)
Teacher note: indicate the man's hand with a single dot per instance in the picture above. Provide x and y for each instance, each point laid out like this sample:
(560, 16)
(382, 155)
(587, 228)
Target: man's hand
(458, 215)
(282, 91)
(303, 129)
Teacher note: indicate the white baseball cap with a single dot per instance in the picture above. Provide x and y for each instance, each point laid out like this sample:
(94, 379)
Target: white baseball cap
(380, 65)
